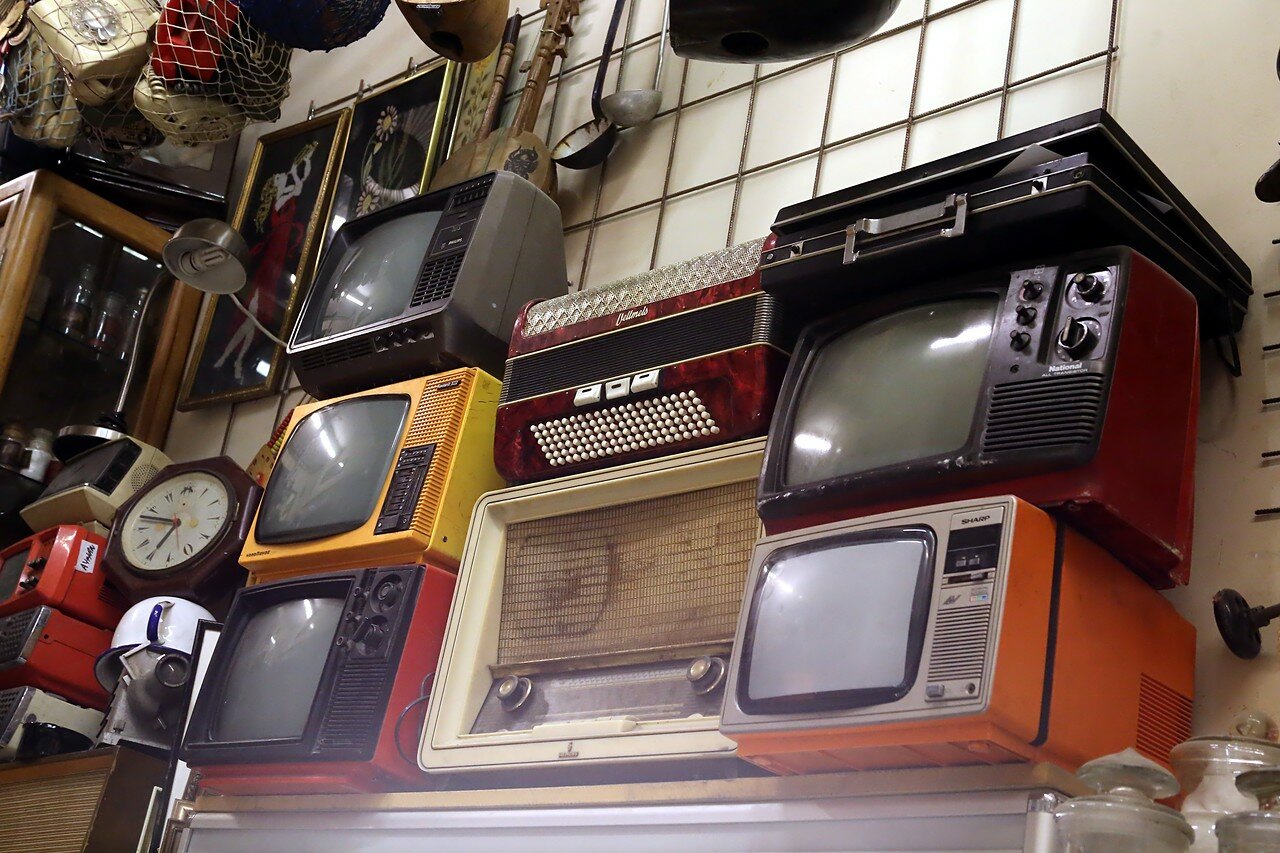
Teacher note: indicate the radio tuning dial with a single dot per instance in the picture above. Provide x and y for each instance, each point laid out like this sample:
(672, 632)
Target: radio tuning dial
(1089, 287)
(1078, 338)
(514, 691)
(705, 674)
(1032, 289)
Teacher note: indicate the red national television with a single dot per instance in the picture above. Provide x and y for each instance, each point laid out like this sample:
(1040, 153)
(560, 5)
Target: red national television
(318, 684)
(60, 567)
(1070, 381)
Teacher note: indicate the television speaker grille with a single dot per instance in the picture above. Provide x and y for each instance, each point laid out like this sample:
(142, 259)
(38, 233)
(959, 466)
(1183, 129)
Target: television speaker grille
(335, 353)
(959, 648)
(1045, 413)
(15, 630)
(1164, 719)
(436, 279)
(9, 700)
(628, 582)
(438, 420)
(355, 711)
(142, 475)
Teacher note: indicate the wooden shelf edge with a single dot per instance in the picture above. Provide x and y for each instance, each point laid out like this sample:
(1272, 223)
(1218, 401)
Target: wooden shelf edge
(877, 783)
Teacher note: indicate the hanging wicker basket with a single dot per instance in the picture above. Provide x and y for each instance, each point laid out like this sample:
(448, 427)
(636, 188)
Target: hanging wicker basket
(315, 24)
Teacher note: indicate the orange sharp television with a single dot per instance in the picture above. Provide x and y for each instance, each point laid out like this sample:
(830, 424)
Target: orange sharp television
(977, 632)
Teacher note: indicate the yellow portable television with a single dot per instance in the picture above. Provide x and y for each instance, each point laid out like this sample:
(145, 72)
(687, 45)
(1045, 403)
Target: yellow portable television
(377, 478)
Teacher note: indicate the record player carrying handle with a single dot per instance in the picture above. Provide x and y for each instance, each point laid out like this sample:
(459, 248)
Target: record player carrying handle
(950, 214)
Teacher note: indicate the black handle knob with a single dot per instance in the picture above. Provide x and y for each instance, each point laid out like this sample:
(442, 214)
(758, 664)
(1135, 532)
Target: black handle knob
(1019, 340)
(1078, 338)
(1032, 289)
(1026, 314)
(1238, 623)
(1089, 287)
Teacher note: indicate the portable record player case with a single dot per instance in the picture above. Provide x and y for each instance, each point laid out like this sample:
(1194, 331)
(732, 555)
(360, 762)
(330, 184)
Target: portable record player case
(1081, 183)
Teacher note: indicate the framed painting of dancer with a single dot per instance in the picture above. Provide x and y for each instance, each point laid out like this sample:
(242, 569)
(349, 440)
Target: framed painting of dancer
(282, 212)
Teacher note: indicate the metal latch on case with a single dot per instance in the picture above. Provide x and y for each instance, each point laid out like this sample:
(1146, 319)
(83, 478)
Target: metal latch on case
(949, 215)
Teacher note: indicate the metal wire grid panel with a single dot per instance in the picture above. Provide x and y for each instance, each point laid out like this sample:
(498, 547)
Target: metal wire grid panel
(917, 113)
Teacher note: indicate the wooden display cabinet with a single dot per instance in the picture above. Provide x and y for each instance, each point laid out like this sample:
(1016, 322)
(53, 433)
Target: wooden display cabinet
(74, 269)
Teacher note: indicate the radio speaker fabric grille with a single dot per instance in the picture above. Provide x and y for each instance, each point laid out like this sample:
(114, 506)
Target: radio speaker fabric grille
(438, 421)
(726, 265)
(50, 815)
(662, 573)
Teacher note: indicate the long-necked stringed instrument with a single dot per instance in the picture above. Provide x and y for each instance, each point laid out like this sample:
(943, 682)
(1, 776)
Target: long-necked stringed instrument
(517, 148)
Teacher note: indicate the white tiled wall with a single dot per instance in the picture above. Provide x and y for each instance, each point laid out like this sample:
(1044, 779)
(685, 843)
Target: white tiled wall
(1198, 90)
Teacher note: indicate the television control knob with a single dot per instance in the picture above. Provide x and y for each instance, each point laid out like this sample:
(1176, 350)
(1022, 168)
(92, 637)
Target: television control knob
(514, 692)
(1032, 290)
(705, 674)
(1089, 287)
(387, 593)
(1078, 338)
(1019, 340)
(1026, 314)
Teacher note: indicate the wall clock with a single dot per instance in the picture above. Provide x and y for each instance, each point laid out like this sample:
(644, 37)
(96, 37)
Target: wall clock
(182, 534)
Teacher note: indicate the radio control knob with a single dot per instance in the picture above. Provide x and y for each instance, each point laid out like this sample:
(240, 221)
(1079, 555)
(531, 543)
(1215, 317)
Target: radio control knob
(1078, 338)
(1089, 287)
(1019, 340)
(1026, 314)
(705, 674)
(1032, 289)
(514, 691)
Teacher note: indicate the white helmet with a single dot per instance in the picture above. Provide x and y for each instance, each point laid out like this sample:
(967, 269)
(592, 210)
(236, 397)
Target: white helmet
(163, 623)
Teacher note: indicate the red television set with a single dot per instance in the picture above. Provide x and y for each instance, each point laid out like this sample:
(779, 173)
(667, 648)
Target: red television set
(60, 567)
(318, 684)
(1072, 382)
(42, 647)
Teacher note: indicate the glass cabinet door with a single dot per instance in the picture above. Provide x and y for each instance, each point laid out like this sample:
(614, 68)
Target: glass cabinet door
(85, 309)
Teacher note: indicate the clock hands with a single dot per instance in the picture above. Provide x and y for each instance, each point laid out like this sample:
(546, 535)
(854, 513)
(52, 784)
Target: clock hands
(164, 538)
(156, 519)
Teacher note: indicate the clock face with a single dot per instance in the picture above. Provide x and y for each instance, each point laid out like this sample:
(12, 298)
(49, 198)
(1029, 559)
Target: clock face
(176, 521)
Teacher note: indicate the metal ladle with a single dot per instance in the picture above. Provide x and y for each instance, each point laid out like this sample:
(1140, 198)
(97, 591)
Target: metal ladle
(590, 144)
(634, 107)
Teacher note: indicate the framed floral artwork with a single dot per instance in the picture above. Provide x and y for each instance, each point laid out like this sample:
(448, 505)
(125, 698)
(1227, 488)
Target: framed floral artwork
(282, 211)
(395, 143)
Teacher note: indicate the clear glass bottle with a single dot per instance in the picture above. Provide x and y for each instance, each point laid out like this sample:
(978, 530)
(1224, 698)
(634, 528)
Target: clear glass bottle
(39, 454)
(1207, 768)
(77, 305)
(1256, 831)
(106, 331)
(1123, 817)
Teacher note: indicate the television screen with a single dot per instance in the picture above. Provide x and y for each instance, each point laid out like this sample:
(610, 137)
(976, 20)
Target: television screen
(11, 572)
(84, 469)
(330, 474)
(272, 681)
(844, 616)
(899, 388)
(372, 280)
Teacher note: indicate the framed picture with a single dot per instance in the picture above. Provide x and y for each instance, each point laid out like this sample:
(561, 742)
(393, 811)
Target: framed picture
(396, 139)
(283, 207)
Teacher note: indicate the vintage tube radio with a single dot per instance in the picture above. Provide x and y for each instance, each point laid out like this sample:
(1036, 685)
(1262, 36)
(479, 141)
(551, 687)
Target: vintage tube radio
(92, 485)
(978, 632)
(686, 356)
(60, 567)
(593, 622)
(336, 707)
(378, 478)
(1073, 383)
(34, 724)
(44, 648)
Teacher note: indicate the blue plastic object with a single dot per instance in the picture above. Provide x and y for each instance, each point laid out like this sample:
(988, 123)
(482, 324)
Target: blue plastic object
(315, 24)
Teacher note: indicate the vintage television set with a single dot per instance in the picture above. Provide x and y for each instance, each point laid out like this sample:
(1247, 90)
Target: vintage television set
(60, 567)
(682, 357)
(593, 622)
(317, 683)
(93, 484)
(42, 647)
(427, 285)
(379, 477)
(978, 632)
(1072, 383)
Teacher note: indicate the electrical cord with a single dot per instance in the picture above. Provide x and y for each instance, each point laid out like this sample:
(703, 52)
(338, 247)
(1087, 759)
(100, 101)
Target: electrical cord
(425, 695)
(235, 300)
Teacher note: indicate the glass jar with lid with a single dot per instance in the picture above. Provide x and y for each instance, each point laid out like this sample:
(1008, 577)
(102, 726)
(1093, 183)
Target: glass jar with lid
(1207, 768)
(1123, 816)
(1255, 831)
